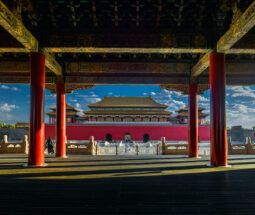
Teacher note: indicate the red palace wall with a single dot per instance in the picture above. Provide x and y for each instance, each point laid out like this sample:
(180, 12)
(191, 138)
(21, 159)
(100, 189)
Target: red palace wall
(83, 132)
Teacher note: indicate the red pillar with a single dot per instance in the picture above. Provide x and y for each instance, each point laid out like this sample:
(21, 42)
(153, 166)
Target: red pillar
(37, 126)
(61, 121)
(193, 117)
(218, 115)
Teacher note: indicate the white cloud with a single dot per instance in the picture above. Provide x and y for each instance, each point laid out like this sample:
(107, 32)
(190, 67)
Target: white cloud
(77, 105)
(7, 108)
(5, 87)
(203, 99)
(174, 100)
(50, 97)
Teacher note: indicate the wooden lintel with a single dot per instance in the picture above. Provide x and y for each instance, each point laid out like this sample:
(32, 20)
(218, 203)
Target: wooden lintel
(238, 29)
(69, 87)
(52, 64)
(125, 50)
(231, 79)
(184, 88)
(14, 67)
(201, 65)
(16, 28)
(112, 80)
(21, 79)
(76, 81)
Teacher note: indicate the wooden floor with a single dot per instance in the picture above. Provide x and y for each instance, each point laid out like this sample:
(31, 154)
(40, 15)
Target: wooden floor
(127, 185)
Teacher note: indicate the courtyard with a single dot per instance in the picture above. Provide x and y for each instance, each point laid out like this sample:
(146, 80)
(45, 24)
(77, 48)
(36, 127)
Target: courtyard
(127, 185)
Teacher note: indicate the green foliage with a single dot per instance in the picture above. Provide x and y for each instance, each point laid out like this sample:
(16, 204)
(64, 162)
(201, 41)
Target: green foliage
(253, 127)
(207, 123)
(3, 125)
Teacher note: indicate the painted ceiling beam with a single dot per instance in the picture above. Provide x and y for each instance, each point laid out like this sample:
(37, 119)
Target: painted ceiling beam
(104, 80)
(240, 51)
(16, 28)
(14, 50)
(235, 33)
(201, 65)
(52, 64)
(245, 23)
(125, 50)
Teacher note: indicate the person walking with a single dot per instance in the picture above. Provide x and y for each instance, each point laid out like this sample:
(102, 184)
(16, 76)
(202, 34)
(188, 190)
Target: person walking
(50, 146)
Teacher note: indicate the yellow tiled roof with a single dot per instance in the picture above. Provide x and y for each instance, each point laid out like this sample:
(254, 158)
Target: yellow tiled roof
(125, 112)
(68, 113)
(68, 107)
(147, 102)
(187, 109)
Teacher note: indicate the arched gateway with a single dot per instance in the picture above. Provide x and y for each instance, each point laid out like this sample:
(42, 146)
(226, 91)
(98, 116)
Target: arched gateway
(127, 138)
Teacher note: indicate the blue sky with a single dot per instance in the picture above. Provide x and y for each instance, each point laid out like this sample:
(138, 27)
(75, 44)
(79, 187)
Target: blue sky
(240, 101)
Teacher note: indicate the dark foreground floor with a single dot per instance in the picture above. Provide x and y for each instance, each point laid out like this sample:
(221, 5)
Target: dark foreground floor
(127, 185)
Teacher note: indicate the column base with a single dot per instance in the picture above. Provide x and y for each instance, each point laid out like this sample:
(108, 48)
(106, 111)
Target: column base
(64, 157)
(198, 157)
(212, 166)
(34, 166)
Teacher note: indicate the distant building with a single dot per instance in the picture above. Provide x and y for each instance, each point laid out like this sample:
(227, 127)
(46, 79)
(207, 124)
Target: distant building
(127, 119)
(127, 109)
(183, 115)
(22, 125)
(71, 115)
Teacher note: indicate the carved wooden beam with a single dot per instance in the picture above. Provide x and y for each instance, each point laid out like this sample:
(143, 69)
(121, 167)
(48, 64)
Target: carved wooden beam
(125, 50)
(16, 28)
(52, 64)
(201, 65)
(23, 66)
(69, 87)
(184, 88)
(238, 29)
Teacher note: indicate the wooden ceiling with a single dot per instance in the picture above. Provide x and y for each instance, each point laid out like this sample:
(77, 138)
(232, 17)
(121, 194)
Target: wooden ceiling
(127, 42)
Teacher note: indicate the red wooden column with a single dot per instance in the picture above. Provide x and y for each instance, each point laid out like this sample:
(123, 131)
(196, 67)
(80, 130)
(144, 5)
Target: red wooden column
(193, 121)
(61, 121)
(218, 115)
(37, 126)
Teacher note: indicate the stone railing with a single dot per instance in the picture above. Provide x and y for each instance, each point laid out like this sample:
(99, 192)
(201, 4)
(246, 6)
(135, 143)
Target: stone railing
(14, 147)
(241, 148)
(174, 149)
(78, 147)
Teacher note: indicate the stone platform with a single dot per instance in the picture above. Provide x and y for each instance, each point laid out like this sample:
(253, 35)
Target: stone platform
(127, 185)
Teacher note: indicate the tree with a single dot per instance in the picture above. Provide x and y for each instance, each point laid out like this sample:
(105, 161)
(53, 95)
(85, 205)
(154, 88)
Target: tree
(3, 125)
(207, 123)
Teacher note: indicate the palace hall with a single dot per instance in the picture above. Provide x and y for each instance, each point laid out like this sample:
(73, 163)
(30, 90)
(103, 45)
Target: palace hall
(126, 109)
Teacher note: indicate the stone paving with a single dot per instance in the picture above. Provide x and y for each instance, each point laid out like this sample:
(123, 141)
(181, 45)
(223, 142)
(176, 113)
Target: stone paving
(127, 185)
